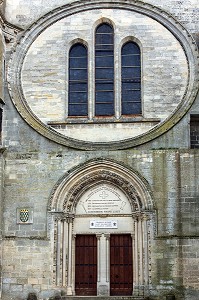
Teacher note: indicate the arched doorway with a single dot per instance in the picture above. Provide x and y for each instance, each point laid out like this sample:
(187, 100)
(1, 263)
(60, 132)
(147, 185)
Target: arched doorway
(103, 218)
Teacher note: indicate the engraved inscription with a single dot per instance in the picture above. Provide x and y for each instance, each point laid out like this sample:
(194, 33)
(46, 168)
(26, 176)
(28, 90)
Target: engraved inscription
(103, 224)
(103, 199)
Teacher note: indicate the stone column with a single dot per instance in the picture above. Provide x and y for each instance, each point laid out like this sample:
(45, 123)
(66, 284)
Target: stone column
(98, 257)
(107, 258)
(69, 273)
(140, 238)
(146, 254)
(73, 264)
(58, 253)
(64, 250)
(140, 255)
(103, 259)
(135, 258)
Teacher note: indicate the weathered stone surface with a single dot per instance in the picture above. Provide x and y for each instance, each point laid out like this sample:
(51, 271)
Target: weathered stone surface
(33, 169)
(23, 12)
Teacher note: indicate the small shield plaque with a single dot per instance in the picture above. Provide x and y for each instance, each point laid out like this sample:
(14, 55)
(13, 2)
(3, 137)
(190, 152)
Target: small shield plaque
(24, 215)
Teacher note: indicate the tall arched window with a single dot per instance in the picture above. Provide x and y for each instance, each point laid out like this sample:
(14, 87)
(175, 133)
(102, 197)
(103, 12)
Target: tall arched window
(78, 81)
(131, 79)
(104, 70)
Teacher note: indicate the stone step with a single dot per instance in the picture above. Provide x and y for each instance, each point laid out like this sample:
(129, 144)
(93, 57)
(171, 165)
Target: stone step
(104, 298)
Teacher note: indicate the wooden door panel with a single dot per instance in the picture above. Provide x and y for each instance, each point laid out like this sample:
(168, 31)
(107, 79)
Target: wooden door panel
(86, 265)
(121, 269)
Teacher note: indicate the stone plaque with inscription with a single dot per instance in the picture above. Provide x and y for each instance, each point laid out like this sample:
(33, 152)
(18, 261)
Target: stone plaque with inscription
(103, 199)
(103, 224)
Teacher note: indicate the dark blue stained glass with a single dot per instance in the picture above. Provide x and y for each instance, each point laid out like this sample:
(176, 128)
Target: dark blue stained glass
(78, 81)
(1, 116)
(130, 48)
(104, 61)
(78, 61)
(104, 97)
(103, 40)
(105, 86)
(77, 110)
(78, 50)
(131, 60)
(78, 87)
(104, 109)
(104, 70)
(78, 97)
(133, 95)
(131, 79)
(105, 53)
(78, 74)
(129, 106)
(104, 28)
(104, 73)
(131, 72)
(132, 85)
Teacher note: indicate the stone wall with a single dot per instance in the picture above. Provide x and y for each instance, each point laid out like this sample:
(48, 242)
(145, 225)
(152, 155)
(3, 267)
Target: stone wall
(1, 213)
(33, 166)
(2, 73)
(24, 13)
(173, 177)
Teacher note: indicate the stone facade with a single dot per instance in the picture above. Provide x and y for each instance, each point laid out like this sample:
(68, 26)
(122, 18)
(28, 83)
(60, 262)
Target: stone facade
(56, 173)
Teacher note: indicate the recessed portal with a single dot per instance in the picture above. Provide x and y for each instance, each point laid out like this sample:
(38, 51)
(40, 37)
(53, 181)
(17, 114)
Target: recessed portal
(103, 223)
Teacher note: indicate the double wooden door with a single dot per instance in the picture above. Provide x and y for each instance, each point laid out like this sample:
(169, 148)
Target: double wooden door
(121, 277)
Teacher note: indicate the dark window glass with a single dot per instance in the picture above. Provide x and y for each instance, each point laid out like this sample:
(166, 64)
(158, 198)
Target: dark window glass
(78, 81)
(194, 131)
(131, 79)
(104, 70)
(1, 115)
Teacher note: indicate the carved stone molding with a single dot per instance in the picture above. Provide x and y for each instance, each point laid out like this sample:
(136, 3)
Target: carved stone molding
(102, 176)
(10, 31)
(67, 192)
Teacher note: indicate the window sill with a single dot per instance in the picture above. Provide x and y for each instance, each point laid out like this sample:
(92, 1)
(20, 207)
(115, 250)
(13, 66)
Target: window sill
(104, 120)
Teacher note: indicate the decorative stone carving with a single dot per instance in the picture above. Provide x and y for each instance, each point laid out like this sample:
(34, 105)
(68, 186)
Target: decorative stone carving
(106, 176)
(95, 172)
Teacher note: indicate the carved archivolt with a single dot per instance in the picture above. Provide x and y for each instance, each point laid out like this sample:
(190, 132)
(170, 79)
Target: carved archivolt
(69, 189)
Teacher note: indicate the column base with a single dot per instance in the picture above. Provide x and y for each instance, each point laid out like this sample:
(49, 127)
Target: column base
(138, 290)
(69, 291)
(103, 290)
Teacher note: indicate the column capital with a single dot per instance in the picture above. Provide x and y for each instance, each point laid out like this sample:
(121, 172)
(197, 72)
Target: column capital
(141, 216)
(69, 217)
(98, 236)
(107, 236)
